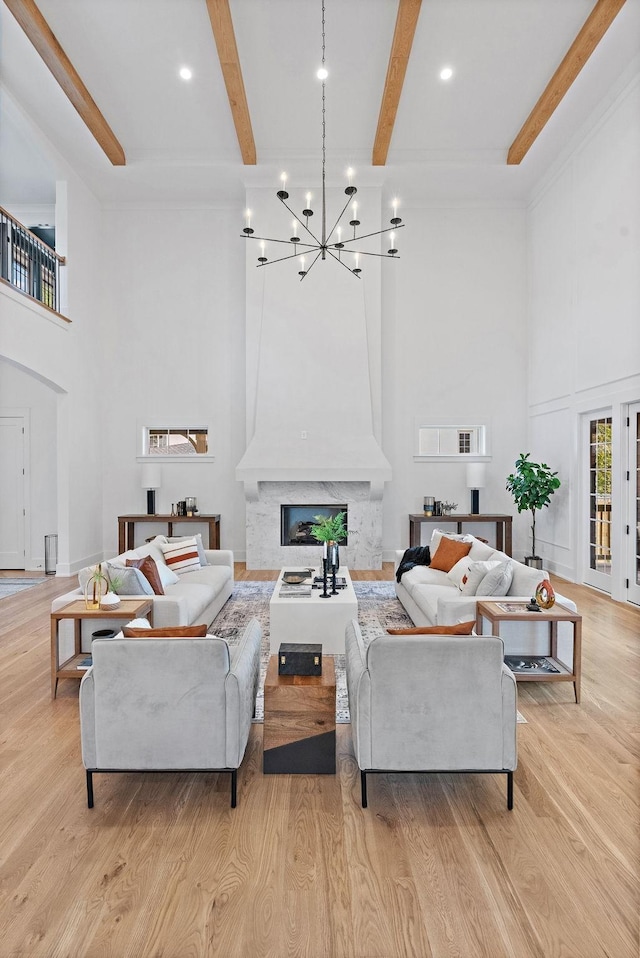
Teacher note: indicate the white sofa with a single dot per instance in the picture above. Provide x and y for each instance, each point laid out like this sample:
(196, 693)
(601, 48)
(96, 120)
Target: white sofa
(196, 598)
(432, 597)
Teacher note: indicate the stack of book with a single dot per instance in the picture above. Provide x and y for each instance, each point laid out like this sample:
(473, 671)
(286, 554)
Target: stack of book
(290, 591)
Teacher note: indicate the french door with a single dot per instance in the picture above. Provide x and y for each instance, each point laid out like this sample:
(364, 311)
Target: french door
(600, 474)
(633, 525)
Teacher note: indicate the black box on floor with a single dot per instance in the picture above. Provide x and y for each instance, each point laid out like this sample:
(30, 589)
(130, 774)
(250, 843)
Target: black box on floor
(299, 658)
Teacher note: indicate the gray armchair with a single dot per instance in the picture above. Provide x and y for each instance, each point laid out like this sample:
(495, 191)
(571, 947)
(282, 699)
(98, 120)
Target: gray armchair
(431, 703)
(161, 704)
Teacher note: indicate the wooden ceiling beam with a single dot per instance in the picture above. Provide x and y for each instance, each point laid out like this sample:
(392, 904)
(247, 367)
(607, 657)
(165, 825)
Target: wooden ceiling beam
(592, 32)
(41, 36)
(406, 22)
(223, 32)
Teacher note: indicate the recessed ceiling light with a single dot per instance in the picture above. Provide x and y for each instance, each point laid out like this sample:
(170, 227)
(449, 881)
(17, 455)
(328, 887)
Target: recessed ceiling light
(322, 73)
(185, 73)
(446, 73)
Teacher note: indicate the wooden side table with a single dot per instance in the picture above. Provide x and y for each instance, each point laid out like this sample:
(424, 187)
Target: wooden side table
(127, 526)
(77, 610)
(300, 721)
(494, 614)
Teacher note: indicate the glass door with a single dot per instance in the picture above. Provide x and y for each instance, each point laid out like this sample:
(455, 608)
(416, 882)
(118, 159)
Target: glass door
(598, 571)
(633, 567)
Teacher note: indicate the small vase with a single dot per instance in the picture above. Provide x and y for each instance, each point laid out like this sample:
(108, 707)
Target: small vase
(110, 601)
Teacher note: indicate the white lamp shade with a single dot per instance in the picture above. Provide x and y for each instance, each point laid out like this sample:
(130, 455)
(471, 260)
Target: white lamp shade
(476, 475)
(151, 477)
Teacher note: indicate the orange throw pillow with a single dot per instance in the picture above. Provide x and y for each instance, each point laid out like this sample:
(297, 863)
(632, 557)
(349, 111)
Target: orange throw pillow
(149, 570)
(170, 632)
(462, 628)
(448, 553)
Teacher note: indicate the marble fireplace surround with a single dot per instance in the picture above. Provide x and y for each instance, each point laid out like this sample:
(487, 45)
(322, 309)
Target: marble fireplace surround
(364, 501)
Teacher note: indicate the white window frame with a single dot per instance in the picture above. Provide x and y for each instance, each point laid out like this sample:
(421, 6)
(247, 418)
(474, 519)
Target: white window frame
(444, 441)
(143, 442)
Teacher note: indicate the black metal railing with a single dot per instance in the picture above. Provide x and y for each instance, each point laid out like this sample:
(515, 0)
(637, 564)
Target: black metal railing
(28, 264)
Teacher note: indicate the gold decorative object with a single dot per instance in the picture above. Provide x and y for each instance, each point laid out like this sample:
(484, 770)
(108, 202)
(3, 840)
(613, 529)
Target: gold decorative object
(97, 586)
(545, 596)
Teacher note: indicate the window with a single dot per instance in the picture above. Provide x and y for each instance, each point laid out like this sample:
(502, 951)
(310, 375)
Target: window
(464, 441)
(175, 441)
(450, 441)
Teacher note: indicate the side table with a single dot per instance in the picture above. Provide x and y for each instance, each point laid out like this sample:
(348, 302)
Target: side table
(77, 610)
(495, 614)
(300, 721)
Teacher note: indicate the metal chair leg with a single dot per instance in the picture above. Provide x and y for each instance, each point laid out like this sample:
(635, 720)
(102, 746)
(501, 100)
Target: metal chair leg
(510, 791)
(234, 787)
(363, 787)
(89, 788)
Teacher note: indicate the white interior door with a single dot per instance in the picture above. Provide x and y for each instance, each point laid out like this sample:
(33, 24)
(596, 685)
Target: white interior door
(12, 512)
(633, 567)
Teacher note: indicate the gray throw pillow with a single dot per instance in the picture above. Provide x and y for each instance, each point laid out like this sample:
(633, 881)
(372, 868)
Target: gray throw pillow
(497, 581)
(128, 581)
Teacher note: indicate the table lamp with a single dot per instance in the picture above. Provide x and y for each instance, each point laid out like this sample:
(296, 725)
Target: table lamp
(151, 480)
(476, 480)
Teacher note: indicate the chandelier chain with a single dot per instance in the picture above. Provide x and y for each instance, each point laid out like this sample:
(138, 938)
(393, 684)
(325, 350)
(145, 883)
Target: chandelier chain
(324, 138)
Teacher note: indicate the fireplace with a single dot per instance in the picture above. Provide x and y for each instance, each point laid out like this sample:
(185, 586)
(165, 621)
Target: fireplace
(296, 522)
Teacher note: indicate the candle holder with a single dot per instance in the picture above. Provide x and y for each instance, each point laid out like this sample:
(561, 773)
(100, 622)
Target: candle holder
(325, 567)
(333, 559)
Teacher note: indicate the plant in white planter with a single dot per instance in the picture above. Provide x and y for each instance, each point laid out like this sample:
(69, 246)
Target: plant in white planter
(532, 485)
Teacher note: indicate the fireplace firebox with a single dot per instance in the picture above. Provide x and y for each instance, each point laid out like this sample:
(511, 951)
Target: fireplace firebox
(296, 522)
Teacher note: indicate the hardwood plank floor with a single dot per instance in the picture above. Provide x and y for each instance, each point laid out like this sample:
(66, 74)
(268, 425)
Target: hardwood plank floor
(435, 867)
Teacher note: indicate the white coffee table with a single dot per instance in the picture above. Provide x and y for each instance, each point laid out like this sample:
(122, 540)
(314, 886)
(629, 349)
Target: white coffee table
(311, 618)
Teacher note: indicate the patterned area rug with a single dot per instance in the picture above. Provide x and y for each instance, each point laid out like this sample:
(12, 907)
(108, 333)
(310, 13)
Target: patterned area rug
(9, 586)
(378, 609)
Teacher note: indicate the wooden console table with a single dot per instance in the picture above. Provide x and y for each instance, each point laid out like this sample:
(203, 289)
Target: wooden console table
(502, 524)
(127, 524)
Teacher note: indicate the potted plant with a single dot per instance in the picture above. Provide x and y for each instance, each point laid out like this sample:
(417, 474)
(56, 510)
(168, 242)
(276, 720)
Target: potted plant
(532, 485)
(330, 530)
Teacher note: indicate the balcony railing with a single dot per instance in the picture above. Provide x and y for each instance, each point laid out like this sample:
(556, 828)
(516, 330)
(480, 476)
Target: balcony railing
(28, 264)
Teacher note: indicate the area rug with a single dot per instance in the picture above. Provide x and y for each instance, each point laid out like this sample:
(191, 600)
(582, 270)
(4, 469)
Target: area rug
(9, 586)
(378, 609)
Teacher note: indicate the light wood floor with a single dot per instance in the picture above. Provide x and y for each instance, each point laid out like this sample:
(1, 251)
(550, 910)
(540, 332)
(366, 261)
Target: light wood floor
(436, 866)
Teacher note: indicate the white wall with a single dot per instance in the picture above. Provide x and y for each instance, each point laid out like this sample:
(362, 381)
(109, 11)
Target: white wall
(584, 327)
(454, 350)
(157, 299)
(174, 320)
(69, 358)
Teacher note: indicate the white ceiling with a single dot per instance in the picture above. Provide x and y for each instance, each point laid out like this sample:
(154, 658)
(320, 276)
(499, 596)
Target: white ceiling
(450, 139)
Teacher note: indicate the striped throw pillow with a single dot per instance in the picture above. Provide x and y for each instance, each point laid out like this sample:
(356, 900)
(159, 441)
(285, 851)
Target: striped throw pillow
(181, 556)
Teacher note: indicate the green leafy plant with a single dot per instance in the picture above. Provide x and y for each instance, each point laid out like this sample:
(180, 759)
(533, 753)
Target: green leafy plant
(329, 528)
(532, 485)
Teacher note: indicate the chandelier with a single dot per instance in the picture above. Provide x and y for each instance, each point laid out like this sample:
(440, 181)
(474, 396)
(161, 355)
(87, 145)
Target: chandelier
(330, 242)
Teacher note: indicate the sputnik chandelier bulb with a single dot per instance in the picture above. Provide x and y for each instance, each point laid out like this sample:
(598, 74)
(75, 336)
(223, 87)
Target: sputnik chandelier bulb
(319, 247)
